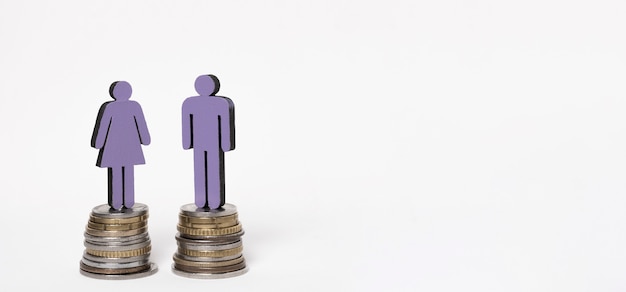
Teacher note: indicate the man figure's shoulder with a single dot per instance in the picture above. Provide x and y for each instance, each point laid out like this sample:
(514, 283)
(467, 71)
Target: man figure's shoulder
(190, 101)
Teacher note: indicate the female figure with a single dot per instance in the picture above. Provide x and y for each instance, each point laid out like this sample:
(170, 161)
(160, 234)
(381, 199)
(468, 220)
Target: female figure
(119, 132)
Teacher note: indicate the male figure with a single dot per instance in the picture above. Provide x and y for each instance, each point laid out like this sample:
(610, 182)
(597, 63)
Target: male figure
(119, 132)
(208, 128)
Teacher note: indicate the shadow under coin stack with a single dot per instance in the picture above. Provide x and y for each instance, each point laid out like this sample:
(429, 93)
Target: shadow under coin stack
(117, 244)
(209, 243)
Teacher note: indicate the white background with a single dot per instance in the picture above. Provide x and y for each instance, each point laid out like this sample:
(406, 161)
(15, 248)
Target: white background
(381, 145)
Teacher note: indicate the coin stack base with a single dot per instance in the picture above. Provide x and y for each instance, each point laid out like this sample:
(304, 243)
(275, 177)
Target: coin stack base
(208, 276)
(209, 243)
(117, 244)
(153, 269)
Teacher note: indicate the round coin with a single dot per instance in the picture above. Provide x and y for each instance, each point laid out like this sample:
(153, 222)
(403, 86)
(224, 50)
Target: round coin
(208, 275)
(183, 262)
(117, 247)
(212, 238)
(206, 259)
(211, 253)
(116, 227)
(151, 271)
(114, 271)
(118, 243)
(119, 254)
(105, 211)
(209, 232)
(202, 247)
(208, 225)
(207, 220)
(116, 260)
(103, 265)
(216, 270)
(103, 233)
(192, 210)
(113, 239)
(95, 219)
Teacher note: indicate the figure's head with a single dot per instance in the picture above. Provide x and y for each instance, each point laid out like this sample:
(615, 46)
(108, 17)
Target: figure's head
(207, 84)
(120, 90)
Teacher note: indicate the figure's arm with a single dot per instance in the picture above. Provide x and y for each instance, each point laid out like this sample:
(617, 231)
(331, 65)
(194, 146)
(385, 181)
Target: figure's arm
(102, 127)
(142, 127)
(187, 126)
(227, 124)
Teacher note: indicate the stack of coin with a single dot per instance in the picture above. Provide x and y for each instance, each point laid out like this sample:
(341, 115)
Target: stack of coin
(209, 243)
(117, 244)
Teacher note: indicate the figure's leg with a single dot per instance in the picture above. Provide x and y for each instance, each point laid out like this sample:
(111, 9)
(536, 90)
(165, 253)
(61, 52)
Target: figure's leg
(216, 185)
(129, 186)
(110, 186)
(115, 187)
(199, 168)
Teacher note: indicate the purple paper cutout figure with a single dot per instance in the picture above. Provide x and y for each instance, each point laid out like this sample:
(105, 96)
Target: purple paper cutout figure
(119, 132)
(209, 128)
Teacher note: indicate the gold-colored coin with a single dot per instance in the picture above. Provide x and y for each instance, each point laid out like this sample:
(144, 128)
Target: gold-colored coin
(116, 227)
(207, 220)
(119, 254)
(205, 265)
(102, 220)
(209, 231)
(209, 225)
(211, 253)
(107, 233)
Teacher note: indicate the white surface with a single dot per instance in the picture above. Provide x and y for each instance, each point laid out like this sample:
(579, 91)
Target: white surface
(381, 145)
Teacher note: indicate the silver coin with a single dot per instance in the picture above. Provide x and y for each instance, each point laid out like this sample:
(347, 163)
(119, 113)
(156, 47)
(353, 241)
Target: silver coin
(216, 238)
(153, 269)
(224, 263)
(103, 265)
(100, 247)
(107, 239)
(118, 243)
(209, 276)
(192, 210)
(203, 247)
(210, 270)
(206, 259)
(116, 260)
(105, 211)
